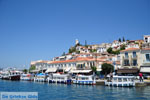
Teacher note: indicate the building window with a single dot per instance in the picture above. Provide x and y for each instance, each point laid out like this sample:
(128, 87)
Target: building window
(146, 39)
(126, 62)
(134, 62)
(147, 57)
(134, 54)
(126, 55)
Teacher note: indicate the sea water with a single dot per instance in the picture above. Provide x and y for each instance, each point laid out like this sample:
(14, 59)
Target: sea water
(76, 92)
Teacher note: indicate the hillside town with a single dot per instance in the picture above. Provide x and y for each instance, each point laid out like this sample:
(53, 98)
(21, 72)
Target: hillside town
(120, 63)
(128, 57)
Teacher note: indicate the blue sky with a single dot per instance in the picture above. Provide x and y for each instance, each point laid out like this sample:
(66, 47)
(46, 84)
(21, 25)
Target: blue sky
(42, 29)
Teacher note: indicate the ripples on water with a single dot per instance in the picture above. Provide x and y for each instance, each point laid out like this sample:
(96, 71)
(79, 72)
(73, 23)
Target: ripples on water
(76, 92)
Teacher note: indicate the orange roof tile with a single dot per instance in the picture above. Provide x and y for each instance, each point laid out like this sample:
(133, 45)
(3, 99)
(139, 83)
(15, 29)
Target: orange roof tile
(130, 49)
(146, 49)
(74, 60)
(103, 58)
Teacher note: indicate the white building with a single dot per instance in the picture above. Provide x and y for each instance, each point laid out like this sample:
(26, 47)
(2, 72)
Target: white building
(132, 45)
(146, 38)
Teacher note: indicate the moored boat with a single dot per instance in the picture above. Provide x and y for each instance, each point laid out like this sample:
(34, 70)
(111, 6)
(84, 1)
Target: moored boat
(120, 81)
(26, 77)
(41, 77)
(11, 75)
(5, 75)
(84, 80)
(59, 78)
(14, 75)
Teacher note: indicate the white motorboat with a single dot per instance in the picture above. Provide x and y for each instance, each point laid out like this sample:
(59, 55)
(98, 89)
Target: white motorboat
(59, 78)
(123, 81)
(26, 77)
(85, 80)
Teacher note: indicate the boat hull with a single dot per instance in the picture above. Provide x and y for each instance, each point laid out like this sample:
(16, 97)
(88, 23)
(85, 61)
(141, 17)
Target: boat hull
(14, 78)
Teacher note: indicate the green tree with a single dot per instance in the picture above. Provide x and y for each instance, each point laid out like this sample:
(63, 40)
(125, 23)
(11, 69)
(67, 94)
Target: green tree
(32, 67)
(107, 68)
(93, 50)
(119, 40)
(116, 52)
(78, 52)
(122, 47)
(94, 69)
(25, 71)
(109, 50)
(71, 50)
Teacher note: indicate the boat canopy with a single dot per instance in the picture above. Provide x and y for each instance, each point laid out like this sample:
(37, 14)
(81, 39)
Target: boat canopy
(123, 76)
(26, 75)
(41, 74)
(60, 75)
(84, 76)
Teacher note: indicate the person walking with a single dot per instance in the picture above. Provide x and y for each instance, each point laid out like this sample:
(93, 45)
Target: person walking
(141, 77)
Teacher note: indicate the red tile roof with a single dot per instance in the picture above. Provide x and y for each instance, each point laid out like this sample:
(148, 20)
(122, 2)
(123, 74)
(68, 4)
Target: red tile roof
(74, 60)
(146, 49)
(133, 49)
(130, 49)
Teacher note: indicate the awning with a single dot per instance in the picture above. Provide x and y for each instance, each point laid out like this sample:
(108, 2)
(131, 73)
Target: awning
(127, 71)
(67, 69)
(51, 70)
(99, 69)
(80, 71)
(34, 71)
(79, 63)
(145, 69)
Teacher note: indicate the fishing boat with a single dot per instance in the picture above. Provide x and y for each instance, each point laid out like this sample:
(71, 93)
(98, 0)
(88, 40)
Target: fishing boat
(11, 75)
(14, 75)
(120, 81)
(26, 77)
(84, 80)
(59, 78)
